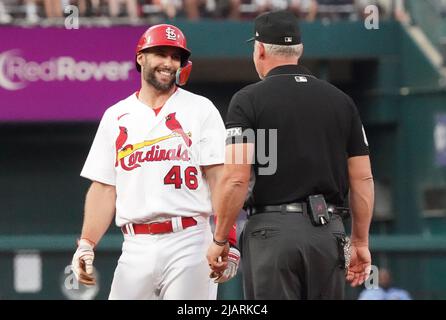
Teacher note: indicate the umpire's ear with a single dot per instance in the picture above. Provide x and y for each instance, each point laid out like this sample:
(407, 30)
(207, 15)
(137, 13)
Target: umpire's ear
(261, 53)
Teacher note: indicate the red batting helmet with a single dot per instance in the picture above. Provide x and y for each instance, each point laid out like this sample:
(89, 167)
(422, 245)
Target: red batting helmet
(163, 35)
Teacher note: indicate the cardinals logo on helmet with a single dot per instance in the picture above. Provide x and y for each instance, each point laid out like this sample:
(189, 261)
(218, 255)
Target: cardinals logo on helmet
(170, 34)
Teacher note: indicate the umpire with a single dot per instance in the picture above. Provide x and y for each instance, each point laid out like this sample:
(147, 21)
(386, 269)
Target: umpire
(294, 244)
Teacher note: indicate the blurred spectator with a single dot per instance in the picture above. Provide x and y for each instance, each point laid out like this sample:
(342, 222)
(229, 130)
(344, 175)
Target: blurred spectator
(304, 9)
(4, 15)
(226, 9)
(89, 8)
(131, 8)
(53, 8)
(336, 9)
(216, 8)
(270, 5)
(443, 8)
(400, 11)
(169, 7)
(385, 291)
(31, 11)
(193, 8)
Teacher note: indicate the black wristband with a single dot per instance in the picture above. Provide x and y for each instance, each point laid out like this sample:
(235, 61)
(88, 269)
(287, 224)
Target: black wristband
(220, 243)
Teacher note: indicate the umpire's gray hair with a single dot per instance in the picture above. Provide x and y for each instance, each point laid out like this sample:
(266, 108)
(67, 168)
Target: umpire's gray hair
(285, 51)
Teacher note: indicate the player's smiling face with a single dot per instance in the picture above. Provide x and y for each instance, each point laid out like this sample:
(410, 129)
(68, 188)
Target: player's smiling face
(159, 66)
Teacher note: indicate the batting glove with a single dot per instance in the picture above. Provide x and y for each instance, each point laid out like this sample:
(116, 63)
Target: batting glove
(231, 269)
(82, 264)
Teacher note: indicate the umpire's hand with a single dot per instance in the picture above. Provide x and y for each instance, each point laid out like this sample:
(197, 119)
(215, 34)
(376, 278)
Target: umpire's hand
(360, 264)
(82, 264)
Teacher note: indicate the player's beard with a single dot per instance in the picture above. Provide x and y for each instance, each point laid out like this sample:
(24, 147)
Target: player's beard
(150, 78)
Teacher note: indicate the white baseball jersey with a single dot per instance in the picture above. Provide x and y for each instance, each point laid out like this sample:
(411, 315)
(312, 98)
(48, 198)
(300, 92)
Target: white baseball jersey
(154, 160)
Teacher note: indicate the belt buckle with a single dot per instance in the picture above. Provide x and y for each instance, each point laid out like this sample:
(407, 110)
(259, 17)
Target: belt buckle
(293, 207)
(149, 228)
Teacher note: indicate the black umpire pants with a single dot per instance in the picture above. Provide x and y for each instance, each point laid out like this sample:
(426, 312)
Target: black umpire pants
(286, 257)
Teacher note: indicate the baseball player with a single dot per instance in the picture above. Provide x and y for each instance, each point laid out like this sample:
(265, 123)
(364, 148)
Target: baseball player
(153, 164)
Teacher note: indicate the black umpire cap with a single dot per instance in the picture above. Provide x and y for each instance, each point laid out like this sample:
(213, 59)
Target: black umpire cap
(277, 27)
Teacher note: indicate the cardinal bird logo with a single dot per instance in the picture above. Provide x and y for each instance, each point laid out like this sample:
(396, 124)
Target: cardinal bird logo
(120, 140)
(173, 124)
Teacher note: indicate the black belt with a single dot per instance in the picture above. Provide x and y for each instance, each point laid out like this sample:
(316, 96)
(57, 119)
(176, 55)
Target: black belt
(298, 207)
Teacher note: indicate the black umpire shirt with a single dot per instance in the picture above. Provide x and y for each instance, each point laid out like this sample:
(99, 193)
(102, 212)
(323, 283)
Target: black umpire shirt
(318, 129)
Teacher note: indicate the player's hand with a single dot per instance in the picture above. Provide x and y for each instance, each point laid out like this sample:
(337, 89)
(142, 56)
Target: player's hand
(231, 269)
(360, 265)
(82, 264)
(218, 259)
